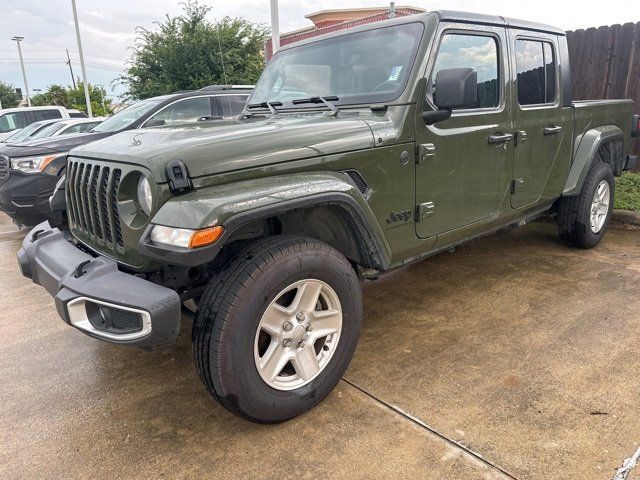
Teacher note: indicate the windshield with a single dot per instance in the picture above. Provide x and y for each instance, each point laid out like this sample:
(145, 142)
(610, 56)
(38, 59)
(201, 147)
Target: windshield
(365, 67)
(25, 133)
(126, 117)
(47, 131)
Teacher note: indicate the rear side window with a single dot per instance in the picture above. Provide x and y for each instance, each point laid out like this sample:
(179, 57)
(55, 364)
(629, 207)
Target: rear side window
(46, 114)
(536, 69)
(232, 105)
(12, 121)
(183, 111)
(79, 128)
(472, 51)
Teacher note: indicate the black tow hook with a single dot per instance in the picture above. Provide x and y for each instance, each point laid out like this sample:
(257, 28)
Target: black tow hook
(79, 271)
(39, 233)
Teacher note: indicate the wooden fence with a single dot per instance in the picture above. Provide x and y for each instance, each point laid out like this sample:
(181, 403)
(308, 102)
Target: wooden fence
(605, 63)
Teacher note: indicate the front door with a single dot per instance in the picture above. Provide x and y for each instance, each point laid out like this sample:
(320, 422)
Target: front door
(542, 125)
(463, 166)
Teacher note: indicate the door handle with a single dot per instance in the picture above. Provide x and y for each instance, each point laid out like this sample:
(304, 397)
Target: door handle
(551, 130)
(500, 138)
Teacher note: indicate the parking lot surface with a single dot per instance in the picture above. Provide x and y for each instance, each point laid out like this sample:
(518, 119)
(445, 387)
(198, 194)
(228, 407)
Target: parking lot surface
(514, 357)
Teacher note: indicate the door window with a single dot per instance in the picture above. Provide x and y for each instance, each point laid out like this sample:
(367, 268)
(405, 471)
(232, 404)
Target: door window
(79, 128)
(183, 111)
(12, 121)
(46, 114)
(232, 105)
(536, 69)
(479, 52)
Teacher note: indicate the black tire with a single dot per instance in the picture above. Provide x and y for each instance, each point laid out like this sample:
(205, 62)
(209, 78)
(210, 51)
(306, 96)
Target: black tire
(574, 212)
(229, 313)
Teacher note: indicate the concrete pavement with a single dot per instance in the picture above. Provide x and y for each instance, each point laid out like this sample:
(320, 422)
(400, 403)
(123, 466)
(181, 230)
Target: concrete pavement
(513, 357)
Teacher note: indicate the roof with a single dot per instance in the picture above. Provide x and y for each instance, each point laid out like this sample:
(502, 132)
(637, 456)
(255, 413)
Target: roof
(443, 15)
(27, 109)
(479, 18)
(225, 88)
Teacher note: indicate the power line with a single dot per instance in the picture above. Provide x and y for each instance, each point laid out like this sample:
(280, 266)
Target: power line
(49, 61)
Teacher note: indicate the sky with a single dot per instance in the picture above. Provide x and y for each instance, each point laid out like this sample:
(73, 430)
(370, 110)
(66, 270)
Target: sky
(108, 28)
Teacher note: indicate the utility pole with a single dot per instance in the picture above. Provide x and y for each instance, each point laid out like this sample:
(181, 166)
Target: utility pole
(275, 27)
(73, 79)
(82, 67)
(18, 39)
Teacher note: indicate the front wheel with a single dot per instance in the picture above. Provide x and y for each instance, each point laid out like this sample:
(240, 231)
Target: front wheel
(583, 219)
(275, 332)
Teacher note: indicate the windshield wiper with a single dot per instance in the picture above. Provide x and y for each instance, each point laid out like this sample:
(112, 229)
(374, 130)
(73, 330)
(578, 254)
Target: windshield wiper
(326, 100)
(270, 105)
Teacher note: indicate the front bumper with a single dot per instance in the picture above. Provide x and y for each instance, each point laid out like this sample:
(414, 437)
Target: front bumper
(25, 197)
(92, 295)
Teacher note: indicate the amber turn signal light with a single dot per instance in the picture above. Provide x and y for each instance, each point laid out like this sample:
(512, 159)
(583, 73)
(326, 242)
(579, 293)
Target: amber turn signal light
(47, 160)
(206, 236)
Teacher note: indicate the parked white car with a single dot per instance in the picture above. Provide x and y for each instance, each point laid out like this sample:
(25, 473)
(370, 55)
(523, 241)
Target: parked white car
(66, 127)
(12, 119)
(24, 134)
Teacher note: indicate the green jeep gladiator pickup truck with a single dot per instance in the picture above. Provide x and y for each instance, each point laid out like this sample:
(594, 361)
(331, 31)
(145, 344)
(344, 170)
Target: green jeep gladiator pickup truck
(358, 152)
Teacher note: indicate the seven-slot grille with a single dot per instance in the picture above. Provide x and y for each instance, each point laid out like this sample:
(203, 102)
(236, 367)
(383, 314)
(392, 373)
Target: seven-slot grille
(92, 201)
(4, 168)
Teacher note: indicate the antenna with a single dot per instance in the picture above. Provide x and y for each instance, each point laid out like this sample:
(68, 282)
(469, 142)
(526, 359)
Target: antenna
(224, 72)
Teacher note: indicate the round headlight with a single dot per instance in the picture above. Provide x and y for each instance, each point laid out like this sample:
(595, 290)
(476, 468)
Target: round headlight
(144, 195)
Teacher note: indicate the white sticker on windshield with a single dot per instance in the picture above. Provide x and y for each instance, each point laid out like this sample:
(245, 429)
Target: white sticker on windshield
(395, 73)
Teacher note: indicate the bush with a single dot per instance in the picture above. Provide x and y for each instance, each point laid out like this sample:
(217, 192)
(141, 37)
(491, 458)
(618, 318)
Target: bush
(628, 192)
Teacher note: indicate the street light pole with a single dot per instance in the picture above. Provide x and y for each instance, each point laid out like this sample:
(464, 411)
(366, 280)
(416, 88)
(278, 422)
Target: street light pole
(275, 27)
(18, 39)
(82, 67)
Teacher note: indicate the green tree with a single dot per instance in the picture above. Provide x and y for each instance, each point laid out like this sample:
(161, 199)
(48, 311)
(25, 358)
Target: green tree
(8, 96)
(189, 52)
(54, 95)
(70, 97)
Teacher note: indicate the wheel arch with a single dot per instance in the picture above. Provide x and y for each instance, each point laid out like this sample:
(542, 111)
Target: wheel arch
(333, 218)
(604, 143)
(322, 205)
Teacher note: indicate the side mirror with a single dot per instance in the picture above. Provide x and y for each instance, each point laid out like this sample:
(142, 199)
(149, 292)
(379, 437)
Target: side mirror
(155, 123)
(456, 88)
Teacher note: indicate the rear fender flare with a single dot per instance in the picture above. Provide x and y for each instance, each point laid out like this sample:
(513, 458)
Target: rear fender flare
(587, 146)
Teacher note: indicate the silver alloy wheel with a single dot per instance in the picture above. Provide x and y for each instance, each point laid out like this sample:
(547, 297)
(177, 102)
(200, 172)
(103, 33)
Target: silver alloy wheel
(298, 334)
(600, 206)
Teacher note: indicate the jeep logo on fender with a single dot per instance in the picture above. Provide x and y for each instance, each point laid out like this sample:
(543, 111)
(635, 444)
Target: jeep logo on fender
(403, 216)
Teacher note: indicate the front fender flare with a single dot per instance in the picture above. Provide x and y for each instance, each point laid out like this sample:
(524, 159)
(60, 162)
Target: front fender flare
(587, 147)
(235, 204)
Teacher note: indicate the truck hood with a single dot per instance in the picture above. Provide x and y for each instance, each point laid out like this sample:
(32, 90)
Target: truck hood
(224, 146)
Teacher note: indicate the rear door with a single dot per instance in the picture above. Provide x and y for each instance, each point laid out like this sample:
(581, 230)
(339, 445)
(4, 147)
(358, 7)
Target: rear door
(541, 124)
(463, 173)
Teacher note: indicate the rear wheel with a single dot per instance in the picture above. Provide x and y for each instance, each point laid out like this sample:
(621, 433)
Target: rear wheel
(275, 332)
(583, 219)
